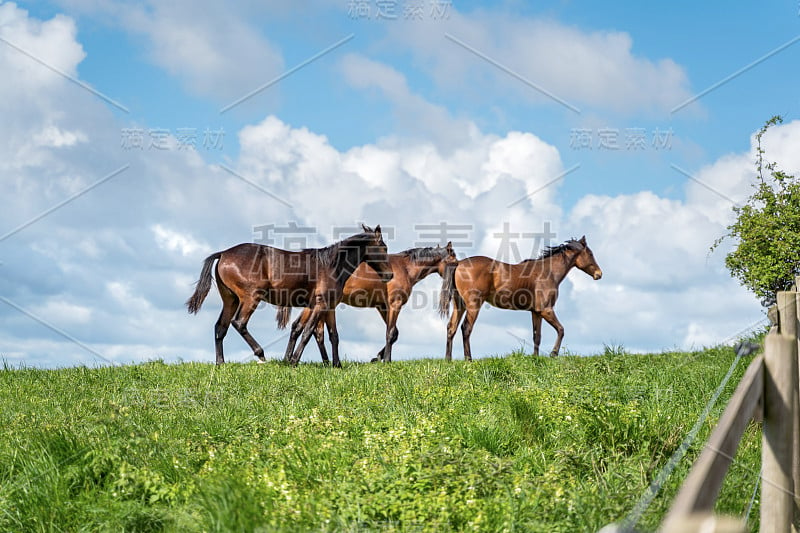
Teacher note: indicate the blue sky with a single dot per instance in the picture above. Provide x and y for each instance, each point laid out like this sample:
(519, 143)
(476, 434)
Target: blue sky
(411, 120)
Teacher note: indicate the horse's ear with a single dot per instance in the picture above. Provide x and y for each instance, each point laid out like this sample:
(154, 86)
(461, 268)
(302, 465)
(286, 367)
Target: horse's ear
(583, 240)
(365, 228)
(378, 230)
(449, 246)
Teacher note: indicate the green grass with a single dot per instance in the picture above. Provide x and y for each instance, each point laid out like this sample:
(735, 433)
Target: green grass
(501, 444)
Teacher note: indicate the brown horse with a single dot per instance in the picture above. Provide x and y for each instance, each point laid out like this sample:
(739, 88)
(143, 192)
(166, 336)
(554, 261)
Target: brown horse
(531, 285)
(314, 278)
(365, 289)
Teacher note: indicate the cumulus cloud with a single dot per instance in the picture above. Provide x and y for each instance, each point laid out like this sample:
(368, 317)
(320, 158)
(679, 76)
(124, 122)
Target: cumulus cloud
(582, 68)
(729, 180)
(658, 277)
(173, 241)
(403, 180)
(212, 48)
(213, 52)
(53, 39)
(658, 269)
(414, 116)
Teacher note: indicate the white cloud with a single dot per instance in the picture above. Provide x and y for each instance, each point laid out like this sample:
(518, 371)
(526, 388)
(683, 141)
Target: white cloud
(655, 241)
(413, 115)
(729, 180)
(594, 68)
(661, 283)
(63, 312)
(659, 279)
(213, 48)
(173, 241)
(32, 46)
(53, 137)
(51, 42)
(124, 295)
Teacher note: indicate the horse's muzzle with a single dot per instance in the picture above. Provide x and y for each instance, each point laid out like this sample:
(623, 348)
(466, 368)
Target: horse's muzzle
(598, 274)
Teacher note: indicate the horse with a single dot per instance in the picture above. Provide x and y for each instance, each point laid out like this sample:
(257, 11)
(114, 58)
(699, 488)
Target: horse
(366, 289)
(249, 273)
(531, 285)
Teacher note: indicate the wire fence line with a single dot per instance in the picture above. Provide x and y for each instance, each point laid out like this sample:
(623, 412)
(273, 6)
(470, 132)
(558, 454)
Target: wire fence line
(769, 392)
(646, 499)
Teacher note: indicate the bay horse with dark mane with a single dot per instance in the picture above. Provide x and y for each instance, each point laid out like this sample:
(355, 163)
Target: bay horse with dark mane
(531, 285)
(366, 289)
(249, 273)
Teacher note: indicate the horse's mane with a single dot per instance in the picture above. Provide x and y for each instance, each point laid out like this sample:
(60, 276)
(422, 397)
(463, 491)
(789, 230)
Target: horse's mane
(330, 254)
(326, 256)
(421, 254)
(551, 251)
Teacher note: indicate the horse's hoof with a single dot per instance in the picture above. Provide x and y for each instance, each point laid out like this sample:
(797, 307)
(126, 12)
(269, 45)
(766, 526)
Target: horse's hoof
(553, 354)
(374, 360)
(262, 361)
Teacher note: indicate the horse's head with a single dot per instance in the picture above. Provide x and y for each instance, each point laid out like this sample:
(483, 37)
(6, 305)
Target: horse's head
(448, 257)
(585, 259)
(376, 255)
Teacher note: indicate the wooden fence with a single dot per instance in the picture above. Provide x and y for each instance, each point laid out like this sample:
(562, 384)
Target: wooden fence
(768, 392)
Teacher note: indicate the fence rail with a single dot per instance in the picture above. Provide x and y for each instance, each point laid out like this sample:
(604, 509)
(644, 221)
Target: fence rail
(768, 392)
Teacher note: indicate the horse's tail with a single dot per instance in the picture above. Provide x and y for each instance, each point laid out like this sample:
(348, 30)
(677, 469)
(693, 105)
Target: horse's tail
(203, 284)
(282, 316)
(448, 288)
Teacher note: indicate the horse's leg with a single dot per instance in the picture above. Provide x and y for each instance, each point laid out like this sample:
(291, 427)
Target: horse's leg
(294, 334)
(550, 315)
(308, 331)
(319, 335)
(385, 316)
(391, 329)
(536, 318)
(246, 308)
(466, 327)
(452, 326)
(333, 336)
(230, 303)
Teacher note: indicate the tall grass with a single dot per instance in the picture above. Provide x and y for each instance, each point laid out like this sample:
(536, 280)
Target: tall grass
(501, 444)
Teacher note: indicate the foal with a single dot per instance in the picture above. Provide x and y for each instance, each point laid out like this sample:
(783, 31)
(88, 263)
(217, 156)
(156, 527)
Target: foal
(531, 285)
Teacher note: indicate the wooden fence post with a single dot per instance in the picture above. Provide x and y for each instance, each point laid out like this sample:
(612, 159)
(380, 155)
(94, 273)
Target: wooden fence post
(796, 406)
(777, 487)
(787, 308)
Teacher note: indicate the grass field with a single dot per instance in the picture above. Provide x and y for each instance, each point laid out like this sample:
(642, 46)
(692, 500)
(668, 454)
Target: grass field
(502, 444)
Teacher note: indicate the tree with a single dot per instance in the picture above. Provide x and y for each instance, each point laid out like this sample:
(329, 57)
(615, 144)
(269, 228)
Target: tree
(767, 230)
